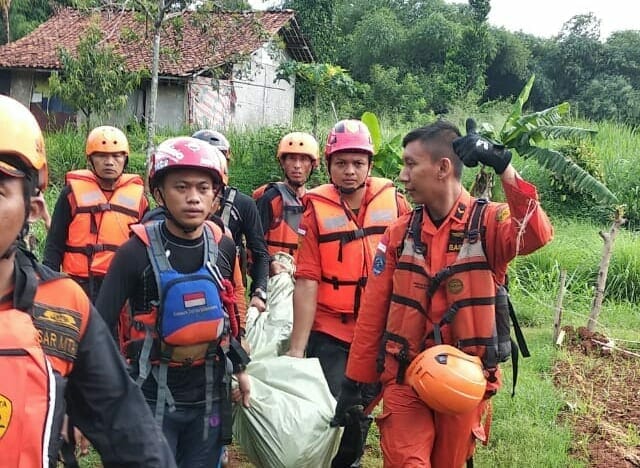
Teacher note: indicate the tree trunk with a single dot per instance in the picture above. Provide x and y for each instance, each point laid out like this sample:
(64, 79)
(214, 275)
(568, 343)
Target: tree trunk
(153, 98)
(5, 18)
(316, 110)
(608, 238)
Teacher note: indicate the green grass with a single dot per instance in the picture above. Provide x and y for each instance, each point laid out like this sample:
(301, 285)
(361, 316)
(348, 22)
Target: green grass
(525, 430)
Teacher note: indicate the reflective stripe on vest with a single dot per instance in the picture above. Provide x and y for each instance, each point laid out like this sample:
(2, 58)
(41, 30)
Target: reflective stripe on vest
(463, 293)
(346, 248)
(99, 226)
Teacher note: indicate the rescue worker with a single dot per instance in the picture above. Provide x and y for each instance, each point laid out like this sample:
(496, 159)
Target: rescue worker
(43, 311)
(280, 203)
(175, 275)
(94, 210)
(435, 282)
(239, 213)
(341, 226)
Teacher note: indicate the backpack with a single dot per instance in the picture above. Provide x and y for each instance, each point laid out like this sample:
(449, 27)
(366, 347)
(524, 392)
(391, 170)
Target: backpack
(190, 316)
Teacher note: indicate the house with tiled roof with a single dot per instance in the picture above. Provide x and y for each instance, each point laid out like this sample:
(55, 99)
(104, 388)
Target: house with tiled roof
(245, 49)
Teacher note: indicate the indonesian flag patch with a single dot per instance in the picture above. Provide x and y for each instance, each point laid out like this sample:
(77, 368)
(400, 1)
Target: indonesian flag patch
(195, 299)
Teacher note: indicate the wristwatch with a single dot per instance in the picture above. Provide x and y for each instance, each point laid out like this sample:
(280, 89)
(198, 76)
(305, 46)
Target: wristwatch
(260, 294)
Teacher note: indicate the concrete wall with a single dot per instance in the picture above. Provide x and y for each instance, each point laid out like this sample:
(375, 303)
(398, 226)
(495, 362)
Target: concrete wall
(260, 101)
(22, 86)
(171, 109)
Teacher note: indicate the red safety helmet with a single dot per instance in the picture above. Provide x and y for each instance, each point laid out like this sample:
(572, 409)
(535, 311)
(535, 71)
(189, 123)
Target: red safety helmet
(185, 153)
(349, 135)
(447, 379)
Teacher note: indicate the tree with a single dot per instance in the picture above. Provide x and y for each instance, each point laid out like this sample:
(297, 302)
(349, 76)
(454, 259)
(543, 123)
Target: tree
(317, 21)
(94, 79)
(321, 77)
(5, 5)
(529, 135)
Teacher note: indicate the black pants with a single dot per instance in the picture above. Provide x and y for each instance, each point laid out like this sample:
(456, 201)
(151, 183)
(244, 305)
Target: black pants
(333, 354)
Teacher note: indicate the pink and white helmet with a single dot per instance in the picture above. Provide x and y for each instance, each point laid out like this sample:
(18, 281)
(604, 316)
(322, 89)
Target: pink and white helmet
(186, 153)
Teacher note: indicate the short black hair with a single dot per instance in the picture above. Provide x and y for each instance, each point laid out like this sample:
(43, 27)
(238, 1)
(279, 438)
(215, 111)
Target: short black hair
(439, 137)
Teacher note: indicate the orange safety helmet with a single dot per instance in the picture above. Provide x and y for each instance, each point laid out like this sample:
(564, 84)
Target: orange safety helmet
(299, 143)
(106, 139)
(348, 135)
(447, 379)
(21, 137)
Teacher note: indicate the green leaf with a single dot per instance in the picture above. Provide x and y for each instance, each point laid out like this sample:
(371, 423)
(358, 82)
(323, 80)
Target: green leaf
(576, 177)
(371, 121)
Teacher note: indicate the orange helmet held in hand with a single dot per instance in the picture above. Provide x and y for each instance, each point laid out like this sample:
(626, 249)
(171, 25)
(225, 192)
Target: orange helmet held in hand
(447, 380)
(21, 137)
(106, 139)
(299, 143)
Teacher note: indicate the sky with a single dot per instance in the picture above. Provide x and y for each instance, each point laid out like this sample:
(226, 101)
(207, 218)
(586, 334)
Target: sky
(544, 18)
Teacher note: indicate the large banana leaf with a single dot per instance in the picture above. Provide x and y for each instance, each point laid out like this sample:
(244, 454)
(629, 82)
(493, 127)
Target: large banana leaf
(580, 179)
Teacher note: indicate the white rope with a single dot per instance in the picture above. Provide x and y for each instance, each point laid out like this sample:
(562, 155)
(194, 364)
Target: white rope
(522, 224)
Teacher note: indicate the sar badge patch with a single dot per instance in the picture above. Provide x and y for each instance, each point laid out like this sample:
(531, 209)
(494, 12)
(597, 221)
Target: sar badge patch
(502, 213)
(379, 263)
(6, 410)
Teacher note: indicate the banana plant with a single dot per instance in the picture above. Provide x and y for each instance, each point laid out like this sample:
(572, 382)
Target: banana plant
(529, 135)
(387, 158)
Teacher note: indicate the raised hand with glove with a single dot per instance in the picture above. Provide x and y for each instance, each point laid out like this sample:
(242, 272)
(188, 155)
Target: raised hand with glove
(350, 406)
(473, 149)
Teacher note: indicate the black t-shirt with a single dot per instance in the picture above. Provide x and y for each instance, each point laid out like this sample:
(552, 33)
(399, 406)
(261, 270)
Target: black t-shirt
(244, 221)
(130, 277)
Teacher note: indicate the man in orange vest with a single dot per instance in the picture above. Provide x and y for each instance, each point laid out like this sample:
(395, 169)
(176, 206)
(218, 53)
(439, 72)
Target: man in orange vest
(341, 226)
(280, 203)
(436, 282)
(54, 346)
(94, 210)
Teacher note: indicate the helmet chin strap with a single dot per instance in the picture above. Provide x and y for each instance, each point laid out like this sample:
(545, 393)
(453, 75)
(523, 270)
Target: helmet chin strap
(169, 216)
(349, 191)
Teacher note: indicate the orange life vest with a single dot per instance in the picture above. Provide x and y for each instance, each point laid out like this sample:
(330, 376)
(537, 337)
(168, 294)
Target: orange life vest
(456, 305)
(347, 248)
(282, 234)
(32, 347)
(99, 226)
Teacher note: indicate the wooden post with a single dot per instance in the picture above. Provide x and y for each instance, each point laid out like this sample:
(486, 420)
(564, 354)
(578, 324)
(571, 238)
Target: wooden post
(558, 316)
(608, 238)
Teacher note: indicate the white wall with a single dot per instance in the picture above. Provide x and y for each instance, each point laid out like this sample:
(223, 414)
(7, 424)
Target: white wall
(260, 101)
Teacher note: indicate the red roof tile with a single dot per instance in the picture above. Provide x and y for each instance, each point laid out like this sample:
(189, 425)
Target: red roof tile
(232, 33)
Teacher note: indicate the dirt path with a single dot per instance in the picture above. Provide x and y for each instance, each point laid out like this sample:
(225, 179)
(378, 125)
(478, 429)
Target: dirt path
(603, 400)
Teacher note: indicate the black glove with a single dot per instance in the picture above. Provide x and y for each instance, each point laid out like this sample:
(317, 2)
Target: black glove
(473, 149)
(349, 407)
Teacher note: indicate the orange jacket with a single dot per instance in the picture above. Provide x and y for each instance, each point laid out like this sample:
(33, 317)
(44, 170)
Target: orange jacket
(400, 313)
(286, 209)
(54, 329)
(337, 249)
(99, 225)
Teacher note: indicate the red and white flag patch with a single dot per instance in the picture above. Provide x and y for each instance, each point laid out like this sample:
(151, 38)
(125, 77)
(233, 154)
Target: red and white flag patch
(194, 299)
